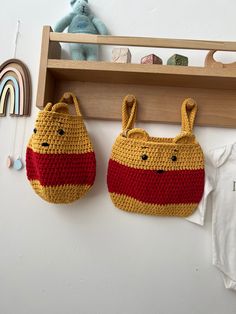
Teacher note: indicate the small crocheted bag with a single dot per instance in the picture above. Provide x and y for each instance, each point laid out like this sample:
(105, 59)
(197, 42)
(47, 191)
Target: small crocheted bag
(156, 176)
(60, 160)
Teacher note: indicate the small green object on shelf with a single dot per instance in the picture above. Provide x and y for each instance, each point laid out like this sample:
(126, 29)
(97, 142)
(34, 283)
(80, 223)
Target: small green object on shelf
(178, 60)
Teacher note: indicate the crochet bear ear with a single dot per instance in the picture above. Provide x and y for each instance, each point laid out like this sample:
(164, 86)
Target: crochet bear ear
(185, 138)
(138, 134)
(61, 108)
(48, 107)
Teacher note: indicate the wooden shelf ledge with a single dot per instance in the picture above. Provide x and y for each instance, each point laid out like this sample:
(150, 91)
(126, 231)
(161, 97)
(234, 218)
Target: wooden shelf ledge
(160, 89)
(147, 74)
(143, 41)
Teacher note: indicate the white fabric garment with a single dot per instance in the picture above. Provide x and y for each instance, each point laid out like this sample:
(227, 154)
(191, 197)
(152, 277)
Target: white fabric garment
(220, 186)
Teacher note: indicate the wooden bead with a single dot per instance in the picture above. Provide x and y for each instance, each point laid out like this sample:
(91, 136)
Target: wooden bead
(177, 60)
(121, 55)
(151, 59)
(18, 165)
(9, 162)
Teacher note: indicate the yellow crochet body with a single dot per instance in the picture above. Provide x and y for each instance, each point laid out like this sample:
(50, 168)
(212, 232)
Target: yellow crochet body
(157, 176)
(60, 159)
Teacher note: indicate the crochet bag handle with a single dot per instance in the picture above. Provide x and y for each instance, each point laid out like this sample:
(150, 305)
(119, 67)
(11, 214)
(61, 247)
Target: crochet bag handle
(70, 98)
(188, 114)
(129, 111)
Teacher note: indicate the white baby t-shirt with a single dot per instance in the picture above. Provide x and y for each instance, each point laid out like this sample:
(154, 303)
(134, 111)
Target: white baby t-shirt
(220, 185)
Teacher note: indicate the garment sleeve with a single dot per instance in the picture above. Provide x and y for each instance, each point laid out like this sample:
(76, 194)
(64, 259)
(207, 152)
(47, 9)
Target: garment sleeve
(198, 216)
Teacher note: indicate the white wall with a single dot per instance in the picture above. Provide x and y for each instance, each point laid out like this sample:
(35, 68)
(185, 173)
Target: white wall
(89, 257)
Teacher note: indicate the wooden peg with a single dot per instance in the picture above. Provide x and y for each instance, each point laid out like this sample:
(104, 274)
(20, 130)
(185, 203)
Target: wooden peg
(212, 63)
(67, 97)
(130, 99)
(190, 104)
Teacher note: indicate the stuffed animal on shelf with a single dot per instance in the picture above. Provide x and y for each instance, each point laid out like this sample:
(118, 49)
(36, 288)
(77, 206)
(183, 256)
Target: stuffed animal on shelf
(80, 20)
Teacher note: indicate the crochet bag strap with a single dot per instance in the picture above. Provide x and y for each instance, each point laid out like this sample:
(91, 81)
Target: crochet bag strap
(188, 114)
(70, 98)
(129, 111)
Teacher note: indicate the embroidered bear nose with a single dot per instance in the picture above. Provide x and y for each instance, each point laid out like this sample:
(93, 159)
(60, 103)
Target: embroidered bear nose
(160, 171)
(45, 144)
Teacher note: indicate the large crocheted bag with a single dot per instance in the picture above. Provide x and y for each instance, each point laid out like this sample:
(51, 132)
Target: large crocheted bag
(156, 176)
(60, 160)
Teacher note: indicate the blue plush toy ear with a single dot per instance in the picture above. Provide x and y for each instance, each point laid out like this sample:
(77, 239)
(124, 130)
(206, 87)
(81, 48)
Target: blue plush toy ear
(72, 2)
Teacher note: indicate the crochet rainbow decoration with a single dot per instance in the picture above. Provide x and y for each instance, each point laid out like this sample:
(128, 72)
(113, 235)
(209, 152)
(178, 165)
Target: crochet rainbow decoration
(15, 85)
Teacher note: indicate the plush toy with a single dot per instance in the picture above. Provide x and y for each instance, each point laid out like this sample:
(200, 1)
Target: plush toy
(80, 20)
(154, 175)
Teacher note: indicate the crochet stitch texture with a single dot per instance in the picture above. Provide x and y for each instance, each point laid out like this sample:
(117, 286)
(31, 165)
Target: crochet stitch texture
(60, 160)
(156, 176)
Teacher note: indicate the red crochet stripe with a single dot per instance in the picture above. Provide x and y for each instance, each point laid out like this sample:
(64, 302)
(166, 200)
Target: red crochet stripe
(169, 187)
(59, 169)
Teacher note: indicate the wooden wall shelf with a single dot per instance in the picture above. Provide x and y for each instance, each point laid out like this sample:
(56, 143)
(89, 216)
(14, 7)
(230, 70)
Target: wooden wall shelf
(160, 89)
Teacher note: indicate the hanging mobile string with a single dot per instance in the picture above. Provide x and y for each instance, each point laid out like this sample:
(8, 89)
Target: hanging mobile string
(18, 164)
(16, 38)
(10, 162)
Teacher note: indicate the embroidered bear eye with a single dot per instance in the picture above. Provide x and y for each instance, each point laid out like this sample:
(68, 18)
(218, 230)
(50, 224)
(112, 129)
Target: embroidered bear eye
(35, 130)
(144, 157)
(61, 132)
(173, 158)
